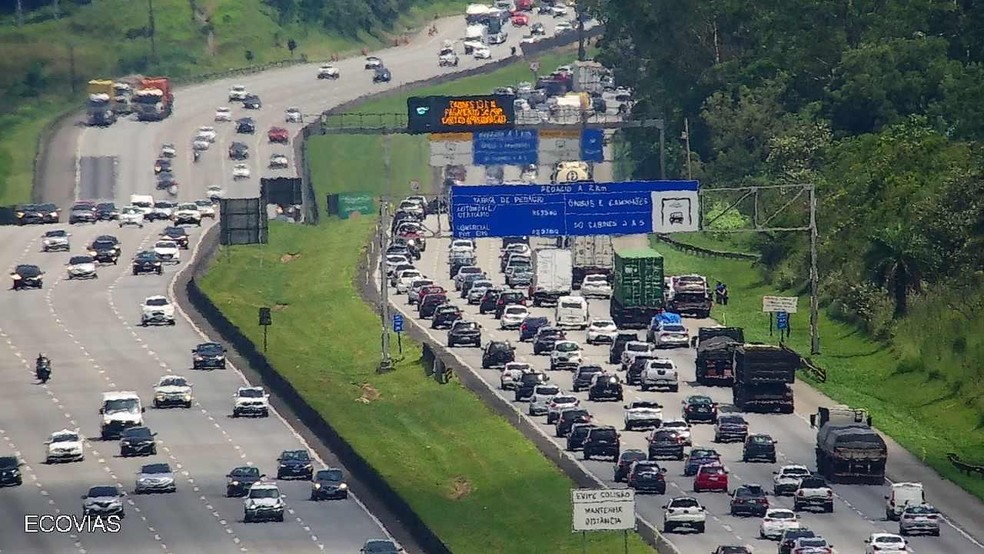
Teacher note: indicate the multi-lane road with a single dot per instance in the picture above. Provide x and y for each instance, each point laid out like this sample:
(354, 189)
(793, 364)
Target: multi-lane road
(90, 331)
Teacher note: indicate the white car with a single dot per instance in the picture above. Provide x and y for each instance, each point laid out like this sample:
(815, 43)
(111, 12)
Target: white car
(776, 521)
(513, 316)
(511, 374)
(279, 161)
(200, 143)
(240, 171)
(172, 390)
(57, 239)
(168, 151)
(632, 349)
(82, 267)
(461, 245)
(406, 277)
(168, 250)
(596, 286)
(671, 335)
(681, 428)
(560, 403)
(372, 62)
(482, 53)
(477, 291)
(328, 71)
(164, 208)
(131, 215)
(156, 310)
(251, 401)
(206, 208)
(786, 480)
(642, 414)
(64, 446)
(208, 133)
(565, 355)
(601, 331)
(293, 115)
(394, 260)
(215, 192)
(685, 512)
(223, 113)
(263, 502)
(238, 92)
(542, 396)
(187, 213)
(886, 543)
(660, 373)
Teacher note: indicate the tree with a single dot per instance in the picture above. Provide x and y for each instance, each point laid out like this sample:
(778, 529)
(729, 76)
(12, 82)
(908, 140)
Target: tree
(250, 56)
(897, 260)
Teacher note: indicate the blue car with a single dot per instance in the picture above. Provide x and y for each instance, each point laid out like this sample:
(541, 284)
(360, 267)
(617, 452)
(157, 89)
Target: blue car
(530, 326)
(699, 457)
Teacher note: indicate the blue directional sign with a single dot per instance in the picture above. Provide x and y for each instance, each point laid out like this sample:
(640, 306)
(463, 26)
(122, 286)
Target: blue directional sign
(592, 145)
(397, 323)
(782, 320)
(574, 209)
(513, 147)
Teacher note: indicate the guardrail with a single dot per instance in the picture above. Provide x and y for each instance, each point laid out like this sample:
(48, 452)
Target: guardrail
(965, 467)
(818, 373)
(700, 251)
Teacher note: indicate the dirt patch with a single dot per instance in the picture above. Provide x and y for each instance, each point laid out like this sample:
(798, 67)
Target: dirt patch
(289, 257)
(279, 307)
(369, 394)
(460, 488)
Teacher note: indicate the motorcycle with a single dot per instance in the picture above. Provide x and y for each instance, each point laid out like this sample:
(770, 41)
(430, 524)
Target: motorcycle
(196, 156)
(43, 370)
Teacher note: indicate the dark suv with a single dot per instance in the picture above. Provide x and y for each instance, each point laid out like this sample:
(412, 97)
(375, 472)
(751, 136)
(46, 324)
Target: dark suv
(618, 345)
(759, 448)
(430, 303)
(568, 418)
(646, 476)
(465, 332)
(624, 463)
(497, 354)
(583, 376)
(605, 387)
(530, 325)
(749, 500)
(444, 316)
(487, 303)
(507, 298)
(665, 443)
(602, 441)
(545, 339)
(578, 436)
(527, 384)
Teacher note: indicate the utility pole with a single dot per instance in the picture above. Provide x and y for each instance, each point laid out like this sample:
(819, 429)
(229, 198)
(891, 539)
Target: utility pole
(20, 13)
(54, 9)
(153, 31)
(686, 137)
(385, 361)
(581, 52)
(71, 67)
(662, 153)
(814, 276)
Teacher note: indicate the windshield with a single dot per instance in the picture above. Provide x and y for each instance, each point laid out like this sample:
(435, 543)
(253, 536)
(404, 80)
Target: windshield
(137, 433)
(637, 347)
(473, 270)
(295, 456)
(760, 439)
(603, 434)
(165, 244)
(674, 328)
(76, 260)
(565, 400)
(571, 305)
(156, 468)
(163, 204)
(515, 310)
(65, 437)
(599, 279)
(675, 424)
(396, 259)
(466, 326)
(602, 324)
(8, 462)
(328, 475)
(27, 270)
(210, 348)
(816, 541)
(175, 232)
(97, 492)
(665, 436)
(782, 514)
(264, 493)
(732, 420)
(684, 503)
(251, 393)
(813, 483)
(795, 471)
(103, 245)
(174, 382)
(147, 255)
(920, 510)
(157, 302)
(567, 347)
(58, 233)
(131, 405)
(699, 400)
(245, 472)
(193, 207)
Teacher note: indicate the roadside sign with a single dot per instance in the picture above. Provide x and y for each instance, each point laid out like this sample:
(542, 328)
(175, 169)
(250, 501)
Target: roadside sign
(415, 186)
(450, 149)
(513, 147)
(776, 304)
(782, 321)
(397, 323)
(535, 66)
(603, 510)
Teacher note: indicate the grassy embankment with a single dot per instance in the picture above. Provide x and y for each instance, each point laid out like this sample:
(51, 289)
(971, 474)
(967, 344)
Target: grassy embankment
(107, 38)
(475, 480)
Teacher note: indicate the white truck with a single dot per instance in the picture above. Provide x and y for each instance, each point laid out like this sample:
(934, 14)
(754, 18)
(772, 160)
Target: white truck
(475, 36)
(552, 275)
(593, 255)
(119, 411)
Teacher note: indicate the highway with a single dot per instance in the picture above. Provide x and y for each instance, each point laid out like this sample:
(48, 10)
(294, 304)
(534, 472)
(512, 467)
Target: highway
(90, 330)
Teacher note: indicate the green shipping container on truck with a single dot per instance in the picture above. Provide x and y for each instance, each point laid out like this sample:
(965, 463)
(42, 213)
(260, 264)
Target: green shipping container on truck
(638, 278)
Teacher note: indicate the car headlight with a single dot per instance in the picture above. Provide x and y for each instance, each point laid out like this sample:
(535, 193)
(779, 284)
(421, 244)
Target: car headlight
(159, 396)
(157, 263)
(234, 483)
(53, 214)
(187, 397)
(20, 214)
(343, 486)
(317, 485)
(16, 277)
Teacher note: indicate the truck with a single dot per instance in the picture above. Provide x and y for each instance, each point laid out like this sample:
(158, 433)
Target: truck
(593, 255)
(848, 449)
(475, 35)
(588, 77)
(552, 271)
(476, 13)
(688, 295)
(154, 99)
(570, 108)
(122, 97)
(715, 354)
(637, 293)
(100, 110)
(763, 374)
(120, 410)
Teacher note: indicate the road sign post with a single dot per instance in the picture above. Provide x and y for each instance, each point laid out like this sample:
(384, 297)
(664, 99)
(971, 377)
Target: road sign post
(398, 329)
(602, 510)
(782, 324)
(266, 320)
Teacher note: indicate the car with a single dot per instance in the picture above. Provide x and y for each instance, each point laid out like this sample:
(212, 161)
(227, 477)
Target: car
(619, 342)
(223, 114)
(886, 543)
(167, 251)
(562, 27)
(56, 240)
(27, 276)
(328, 71)
(147, 262)
(329, 484)
(730, 428)
(733, 549)
(104, 250)
(49, 213)
(28, 214)
(578, 435)
(245, 126)
(173, 390)
(382, 546)
(459, 278)
(605, 386)
(251, 401)
(625, 461)
(482, 53)
(679, 426)
(901, 495)
(206, 208)
(530, 326)
(566, 354)
(642, 414)
(163, 209)
(786, 479)
(263, 502)
(538, 30)
(922, 519)
(372, 62)
(789, 538)
(750, 500)
(278, 135)
(394, 260)
(601, 331)
(237, 92)
(168, 150)
(138, 441)
(240, 479)
(487, 303)
(477, 291)
(519, 277)
(382, 75)
(107, 211)
(632, 349)
(670, 335)
(657, 373)
(447, 59)
(186, 213)
(513, 316)
(777, 521)
(131, 215)
(295, 464)
(645, 476)
(429, 303)
(684, 512)
(252, 102)
(512, 374)
(596, 286)
(239, 151)
(82, 267)
(543, 395)
(10, 471)
(207, 133)
(465, 332)
(711, 477)
(602, 441)
(175, 234)
(215, 193)
(498, 353)
(64, 446)
(240, 171)
(445, 316)
(103, 500)
(156, 310)
(559, 404)
(699, 408)
(812, 492)
(698, 457)
(208, 355)
(82, 212)
(812, 545)
(527, 383)
(665, 444)
(158, 477)
(279, 161)
(584, 376)
(568, 418)
(759, 448)
(520, 20)
(293, 115)
(198, 144)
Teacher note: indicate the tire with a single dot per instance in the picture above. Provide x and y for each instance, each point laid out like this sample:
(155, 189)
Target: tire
(829, 508)
(153, 451)
(247, 518)
(700, 527)
(280, 518)
(587, 456)
(668, 528)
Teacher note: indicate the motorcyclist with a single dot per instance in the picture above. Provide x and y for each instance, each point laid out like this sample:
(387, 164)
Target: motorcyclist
(197, 155)
(43, 367)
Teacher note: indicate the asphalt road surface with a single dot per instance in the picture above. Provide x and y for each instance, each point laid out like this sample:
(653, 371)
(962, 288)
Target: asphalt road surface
(859, 510)
(90, 331)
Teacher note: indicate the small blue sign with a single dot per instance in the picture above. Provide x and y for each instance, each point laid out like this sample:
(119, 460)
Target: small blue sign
(593, 145)
(782, 321)
(397, 323)
(513, 147)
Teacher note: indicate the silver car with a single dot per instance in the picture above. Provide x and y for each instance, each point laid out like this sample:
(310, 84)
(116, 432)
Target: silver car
(155, 478)
(513, 316)
(477, 290)
(542, 396)
(57, 239)
(920, 520)
(560, 403)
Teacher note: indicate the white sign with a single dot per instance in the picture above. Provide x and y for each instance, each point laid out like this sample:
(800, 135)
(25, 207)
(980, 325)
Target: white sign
(450, 149)
(774, 304)
(559, 145)
(603, 509)
(676, 211)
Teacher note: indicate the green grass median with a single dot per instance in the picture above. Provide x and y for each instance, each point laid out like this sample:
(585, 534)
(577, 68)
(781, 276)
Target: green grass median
(470, 476)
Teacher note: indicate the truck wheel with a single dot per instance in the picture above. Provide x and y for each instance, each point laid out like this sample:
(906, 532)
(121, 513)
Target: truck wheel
(675, 388)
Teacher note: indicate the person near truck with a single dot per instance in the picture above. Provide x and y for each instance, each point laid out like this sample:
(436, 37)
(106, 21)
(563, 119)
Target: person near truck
(721, 293)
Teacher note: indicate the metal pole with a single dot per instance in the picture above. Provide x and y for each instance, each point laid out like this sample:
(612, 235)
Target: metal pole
(265, 338)
(581, 52)
(584, 542)
(625, 541)
(152, 28)
(686, 137)
(814, 276)
(662, 153)
(385, 361)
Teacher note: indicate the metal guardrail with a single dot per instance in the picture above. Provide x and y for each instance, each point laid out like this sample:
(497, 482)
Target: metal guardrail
(700, 251)
(965, 467)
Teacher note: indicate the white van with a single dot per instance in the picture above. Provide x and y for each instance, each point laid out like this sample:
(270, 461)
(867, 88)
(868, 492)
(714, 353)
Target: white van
(143, 201)
(572, 311)
(902, 495)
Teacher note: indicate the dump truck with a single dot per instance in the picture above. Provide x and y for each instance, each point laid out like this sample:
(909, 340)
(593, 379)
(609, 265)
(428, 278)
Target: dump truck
(154, 100)
(123, 97)
(715, 355)
(637, 293)
(848, 449)
(763, 374)
(593, 255)
(552, 270)
(100, 110)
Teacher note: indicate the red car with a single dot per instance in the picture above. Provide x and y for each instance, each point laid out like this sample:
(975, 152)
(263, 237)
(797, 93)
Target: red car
(278, 134)
(711, 477)
(432, 289)
(520, 20)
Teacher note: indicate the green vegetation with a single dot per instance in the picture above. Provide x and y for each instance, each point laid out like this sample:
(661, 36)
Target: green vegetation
(876, 106)
(48, 59)
(473, 479)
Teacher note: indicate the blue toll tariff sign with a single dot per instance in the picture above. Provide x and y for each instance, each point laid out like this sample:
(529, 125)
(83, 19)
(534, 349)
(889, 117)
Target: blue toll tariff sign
(575, 209)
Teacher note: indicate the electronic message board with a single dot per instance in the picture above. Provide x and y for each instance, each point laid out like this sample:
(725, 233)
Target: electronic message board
(457, 114)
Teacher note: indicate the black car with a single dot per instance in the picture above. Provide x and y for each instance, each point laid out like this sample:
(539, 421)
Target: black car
(569, 417)
(105, 242)
(578, 435)
(624, 463)
(245, 126)
(103, 501)
(209, 355)
(166, 181)
(29, 214)
(138, 441)
(633, 374)
(50, 213)
(162, 165)
(107, 211)
(508, 298)
(647, 476)
(749, 500)
(240, 479)
(545, 339)
(327, 484)
(759, 448)
(239, 150)
(537, 29)
(530, 325)
(27, 276)
(527, 384)
(665, 443)
(430, 303)
(147, 262)
(82, 212)
(789, 536)
(497, 354)
(382, 75)
(618, 345)
(487, 303)
(445, 316)
(699, 408)
(465, 332)
(730, 428)
(605, 387)
(10, 472)
(381, 546)
(178, 235)
(252, 102)
(602, 442)
(583, 376)
(295, 463)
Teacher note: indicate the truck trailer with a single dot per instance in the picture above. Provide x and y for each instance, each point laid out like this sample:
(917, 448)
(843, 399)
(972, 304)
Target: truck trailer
(593, 255)
(154, 99)
(848, 449)
(100, 110)
(637, 293)
(763, 374)
(552, 270)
